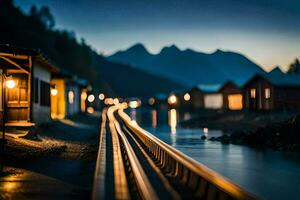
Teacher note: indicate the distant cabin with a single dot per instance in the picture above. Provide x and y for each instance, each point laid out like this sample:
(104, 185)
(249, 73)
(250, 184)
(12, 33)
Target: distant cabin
(232, 96)
(212, 98)
(272, 91)
(206, 97)
(197, 98)
(68, 95)
(25, 79)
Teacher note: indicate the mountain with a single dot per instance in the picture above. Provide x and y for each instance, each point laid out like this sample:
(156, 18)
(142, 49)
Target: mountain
(190, 67)
(276, 71)
(126, 81)
(36, 31)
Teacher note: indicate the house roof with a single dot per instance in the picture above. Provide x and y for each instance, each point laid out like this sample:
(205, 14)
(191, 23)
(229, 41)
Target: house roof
(280, 80)
(227, 84)
(35, 53)
(209, 88)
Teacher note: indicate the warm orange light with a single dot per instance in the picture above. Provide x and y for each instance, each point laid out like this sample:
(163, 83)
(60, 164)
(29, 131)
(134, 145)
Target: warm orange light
(172, 99)
(154, 118)
(172, 120)
(235, 102)
(267, 93)
(205, 130)
(101, 96)
(151, 101)
(10, 83)
(109, 101)
(116, 101)
(83, 96)
(187, 96)
(90, 110)
(91, 98)
(133, 104)
(253, 93)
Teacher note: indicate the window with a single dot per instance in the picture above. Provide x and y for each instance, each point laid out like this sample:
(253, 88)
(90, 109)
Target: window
(267, 93)
(36, 90)
(71, 97)
(253, 93)
(235, 102)
(44, 93)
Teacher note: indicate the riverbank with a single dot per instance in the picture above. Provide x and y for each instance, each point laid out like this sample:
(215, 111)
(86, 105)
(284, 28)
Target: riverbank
(282, 136)
(275, 130)
(230, 122)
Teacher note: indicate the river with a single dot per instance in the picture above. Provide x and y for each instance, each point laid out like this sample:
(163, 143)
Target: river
(269, 174)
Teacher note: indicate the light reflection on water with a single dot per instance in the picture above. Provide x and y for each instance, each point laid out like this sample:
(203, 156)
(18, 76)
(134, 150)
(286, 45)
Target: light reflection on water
(172, 119)
(269, 174)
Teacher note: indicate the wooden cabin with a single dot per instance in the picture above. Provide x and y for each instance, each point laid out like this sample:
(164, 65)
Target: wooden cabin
(197, 98)
(232, 96)
(212, 99)
(272, 91)
(25, 91)
(68, 95)
(205, 97)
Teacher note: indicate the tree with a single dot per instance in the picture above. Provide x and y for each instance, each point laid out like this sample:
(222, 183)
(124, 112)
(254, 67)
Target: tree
(294, 67)
(33, 11)
(45, 16)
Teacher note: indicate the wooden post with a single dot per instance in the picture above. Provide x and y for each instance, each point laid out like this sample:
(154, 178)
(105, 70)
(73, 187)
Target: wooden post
(30, 89)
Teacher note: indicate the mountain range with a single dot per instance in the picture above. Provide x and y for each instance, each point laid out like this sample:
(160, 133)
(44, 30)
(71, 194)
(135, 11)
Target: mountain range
(189, 67)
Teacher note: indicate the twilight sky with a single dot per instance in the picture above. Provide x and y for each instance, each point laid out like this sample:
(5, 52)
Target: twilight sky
(266, 31)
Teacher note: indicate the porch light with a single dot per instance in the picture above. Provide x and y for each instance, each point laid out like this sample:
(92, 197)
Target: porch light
(151, 101)
(187, 97)
(101, 96)
(172, 99)
(91, 98)
(54, 91)
(10, 83)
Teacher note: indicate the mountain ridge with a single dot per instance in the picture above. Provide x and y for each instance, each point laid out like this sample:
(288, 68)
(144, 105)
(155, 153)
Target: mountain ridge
(189, 66)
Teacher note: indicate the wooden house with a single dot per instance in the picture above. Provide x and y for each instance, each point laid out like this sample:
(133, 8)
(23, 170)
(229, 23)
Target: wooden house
(232, 96)
(25, 91)
(205, 97)
(68, 95)
(212, 99)
(272, 91)
(196, 98)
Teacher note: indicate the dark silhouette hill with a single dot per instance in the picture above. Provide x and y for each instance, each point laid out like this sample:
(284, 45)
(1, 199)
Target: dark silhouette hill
(188, 66)
(37, 30)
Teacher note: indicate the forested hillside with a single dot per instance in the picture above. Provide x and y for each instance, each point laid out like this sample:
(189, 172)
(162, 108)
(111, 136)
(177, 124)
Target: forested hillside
(37, 30)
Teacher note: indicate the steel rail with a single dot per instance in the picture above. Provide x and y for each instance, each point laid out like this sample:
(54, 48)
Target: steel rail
(143, 184)
(98, 191)
(121, 189)
(204, 182)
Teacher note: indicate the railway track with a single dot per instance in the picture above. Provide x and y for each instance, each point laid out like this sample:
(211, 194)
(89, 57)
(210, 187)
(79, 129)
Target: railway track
(134, 164)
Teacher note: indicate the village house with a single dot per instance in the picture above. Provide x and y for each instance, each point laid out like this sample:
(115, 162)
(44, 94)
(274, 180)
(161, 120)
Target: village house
(25, 91)
(68, 95)
(196, 98)
(272, 91)
(232, 96)
(206, 97)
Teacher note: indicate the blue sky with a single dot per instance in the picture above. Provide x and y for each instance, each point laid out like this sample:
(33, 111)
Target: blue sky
(267, 31)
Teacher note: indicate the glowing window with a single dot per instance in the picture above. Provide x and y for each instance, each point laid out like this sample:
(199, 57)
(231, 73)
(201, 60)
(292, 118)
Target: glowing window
(267, 93)
(71, 97)
(253, 93)
(235, 102)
